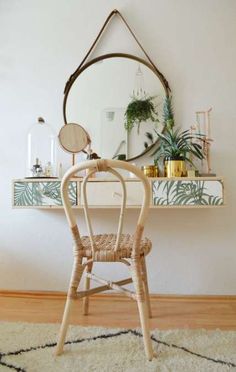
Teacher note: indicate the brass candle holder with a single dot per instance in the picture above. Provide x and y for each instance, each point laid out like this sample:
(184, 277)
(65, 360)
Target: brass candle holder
(150, 170)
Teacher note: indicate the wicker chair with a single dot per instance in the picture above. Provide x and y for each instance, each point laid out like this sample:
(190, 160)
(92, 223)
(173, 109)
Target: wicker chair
(127, 249)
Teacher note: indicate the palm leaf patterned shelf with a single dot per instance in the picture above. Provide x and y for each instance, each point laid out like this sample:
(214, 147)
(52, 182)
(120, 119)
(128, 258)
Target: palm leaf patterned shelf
(42, 193)
(165, 192)
(187, 193)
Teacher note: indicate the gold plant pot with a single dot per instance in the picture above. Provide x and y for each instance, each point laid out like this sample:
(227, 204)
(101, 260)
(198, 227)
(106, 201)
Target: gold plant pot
(150, 170)
(175, 168)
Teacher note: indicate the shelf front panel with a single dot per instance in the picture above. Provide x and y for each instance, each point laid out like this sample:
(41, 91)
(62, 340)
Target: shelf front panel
(110, 194)
(41, 193)
(188, 192)
(166, 193)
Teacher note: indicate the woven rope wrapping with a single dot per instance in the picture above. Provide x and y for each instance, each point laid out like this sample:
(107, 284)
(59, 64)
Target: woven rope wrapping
(102, 165)
(77, 240)
(106, 256)
(77, 274)
(137, 279)
(136, 269)
(144, 270)
(137, 241)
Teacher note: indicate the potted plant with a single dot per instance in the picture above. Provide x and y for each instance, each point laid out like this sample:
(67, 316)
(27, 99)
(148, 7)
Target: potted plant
(140, 110)
(176, 148)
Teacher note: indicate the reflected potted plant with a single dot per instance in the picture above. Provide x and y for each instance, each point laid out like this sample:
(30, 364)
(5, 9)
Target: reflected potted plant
(168, 121)
(140, 110)
(168, 113)
(176, 148)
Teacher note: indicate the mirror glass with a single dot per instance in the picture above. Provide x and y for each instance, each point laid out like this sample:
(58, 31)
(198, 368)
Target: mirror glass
(73, 138)
(99, 99)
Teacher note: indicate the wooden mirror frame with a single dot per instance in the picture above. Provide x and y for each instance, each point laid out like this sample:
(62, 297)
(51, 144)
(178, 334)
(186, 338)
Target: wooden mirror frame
(80, 70)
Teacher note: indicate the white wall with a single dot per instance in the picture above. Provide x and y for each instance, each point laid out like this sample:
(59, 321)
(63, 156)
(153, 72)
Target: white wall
(193, 44)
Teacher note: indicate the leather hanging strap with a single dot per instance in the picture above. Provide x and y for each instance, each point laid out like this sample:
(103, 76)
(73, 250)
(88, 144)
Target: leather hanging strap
(113, 13)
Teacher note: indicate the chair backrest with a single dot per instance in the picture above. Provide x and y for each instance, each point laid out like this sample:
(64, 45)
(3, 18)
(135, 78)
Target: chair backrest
(105, 165)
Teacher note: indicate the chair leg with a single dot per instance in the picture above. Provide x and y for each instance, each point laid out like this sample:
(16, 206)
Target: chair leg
(145, 285)
(87, 287)
(71, 296)
(142, 306)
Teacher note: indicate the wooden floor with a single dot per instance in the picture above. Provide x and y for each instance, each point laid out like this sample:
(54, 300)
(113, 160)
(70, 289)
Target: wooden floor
(208, 312)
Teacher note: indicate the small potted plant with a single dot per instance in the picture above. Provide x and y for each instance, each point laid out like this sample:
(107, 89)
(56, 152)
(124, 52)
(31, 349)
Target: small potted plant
(140, 110)
(176, 148)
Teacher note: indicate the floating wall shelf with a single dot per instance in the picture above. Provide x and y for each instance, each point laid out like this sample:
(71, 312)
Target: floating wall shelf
(199, 192)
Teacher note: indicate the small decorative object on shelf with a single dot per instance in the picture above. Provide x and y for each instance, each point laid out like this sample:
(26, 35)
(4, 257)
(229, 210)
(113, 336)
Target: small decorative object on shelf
(203, 125)
(48, 170)
(92, 155)
(37, 170)
(192, 173)
(150, 170)
(41, 151)
(59, 170)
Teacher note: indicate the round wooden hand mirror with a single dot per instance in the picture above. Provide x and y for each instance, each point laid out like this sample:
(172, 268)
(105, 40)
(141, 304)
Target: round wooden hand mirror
(73, 138)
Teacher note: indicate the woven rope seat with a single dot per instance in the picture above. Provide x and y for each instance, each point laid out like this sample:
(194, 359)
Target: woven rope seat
(105, 246)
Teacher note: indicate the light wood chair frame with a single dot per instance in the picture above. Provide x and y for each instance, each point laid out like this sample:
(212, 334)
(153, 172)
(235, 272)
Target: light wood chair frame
(136, 265)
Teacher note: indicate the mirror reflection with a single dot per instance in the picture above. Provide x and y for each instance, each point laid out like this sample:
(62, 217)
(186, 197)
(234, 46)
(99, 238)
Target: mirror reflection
(119, 102)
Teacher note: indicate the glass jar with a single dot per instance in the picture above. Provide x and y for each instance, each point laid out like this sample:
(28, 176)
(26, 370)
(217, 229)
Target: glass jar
(41, 141)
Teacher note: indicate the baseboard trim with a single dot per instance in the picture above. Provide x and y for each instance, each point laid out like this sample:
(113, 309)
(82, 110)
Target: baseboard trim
(158, 297)
(32, 294)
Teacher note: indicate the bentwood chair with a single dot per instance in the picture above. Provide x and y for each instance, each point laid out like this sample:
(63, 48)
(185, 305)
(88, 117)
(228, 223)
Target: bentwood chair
(124, 248)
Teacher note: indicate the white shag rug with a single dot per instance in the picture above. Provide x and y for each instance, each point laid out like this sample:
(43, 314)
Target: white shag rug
(26, 347)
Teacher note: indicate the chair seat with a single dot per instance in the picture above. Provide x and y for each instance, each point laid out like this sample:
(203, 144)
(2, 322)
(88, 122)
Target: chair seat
(105, 244)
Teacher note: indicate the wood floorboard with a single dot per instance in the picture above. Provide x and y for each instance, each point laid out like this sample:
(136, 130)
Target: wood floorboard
(117, 311)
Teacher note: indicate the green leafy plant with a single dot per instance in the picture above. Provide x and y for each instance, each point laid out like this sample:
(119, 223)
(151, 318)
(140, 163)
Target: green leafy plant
(178, 145)
(168, 121)
(168, 113)
(140, 110)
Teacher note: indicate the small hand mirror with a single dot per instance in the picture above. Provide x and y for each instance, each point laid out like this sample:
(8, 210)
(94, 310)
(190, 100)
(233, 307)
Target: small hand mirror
(73, 138)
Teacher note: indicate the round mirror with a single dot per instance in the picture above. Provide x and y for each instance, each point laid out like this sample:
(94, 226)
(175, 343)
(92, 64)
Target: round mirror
(119, 99)
(73, 138)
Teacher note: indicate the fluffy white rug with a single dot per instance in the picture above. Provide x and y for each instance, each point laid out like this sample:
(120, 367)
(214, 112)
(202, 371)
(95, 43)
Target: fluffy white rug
(26, 347)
